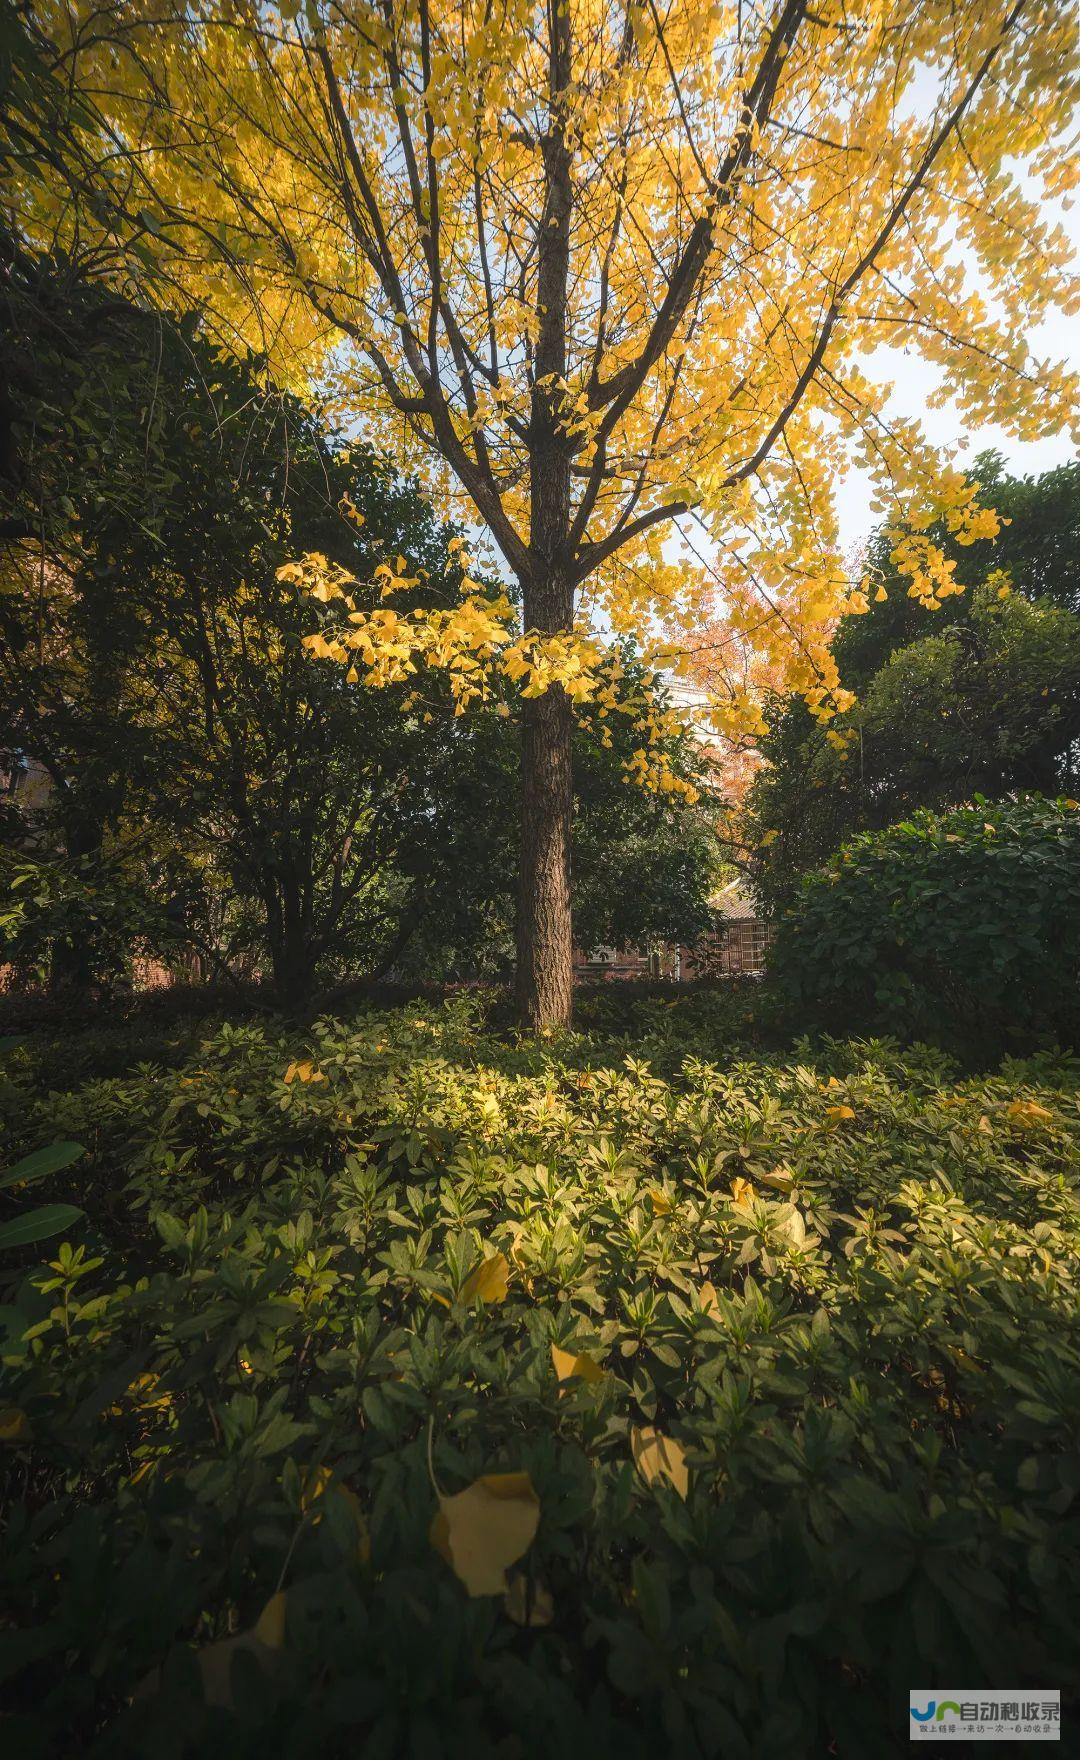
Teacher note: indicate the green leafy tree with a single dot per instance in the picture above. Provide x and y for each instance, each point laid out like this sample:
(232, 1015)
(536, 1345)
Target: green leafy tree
(986, 699)
(965, 922)
(154, 662)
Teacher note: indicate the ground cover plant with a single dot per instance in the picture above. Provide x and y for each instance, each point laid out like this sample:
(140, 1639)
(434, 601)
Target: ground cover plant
(407, 1389)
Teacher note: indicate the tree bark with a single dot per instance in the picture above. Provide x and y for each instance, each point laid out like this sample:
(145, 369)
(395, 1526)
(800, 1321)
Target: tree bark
(544, 935)
(544, 938)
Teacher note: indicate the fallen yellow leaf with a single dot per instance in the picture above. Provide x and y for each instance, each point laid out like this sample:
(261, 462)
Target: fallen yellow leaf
(659, 1459)
(1027, 1112)
(14, 1425)
(264, 1640)
(270, 1626)
(741, 1192)
(529, 1604)
(488, 1282)
(304, 1072)
(660, 1200)
(836, 1114)
(567, 1365)
(708, 1300)
(484, 1529)
(315, 1485)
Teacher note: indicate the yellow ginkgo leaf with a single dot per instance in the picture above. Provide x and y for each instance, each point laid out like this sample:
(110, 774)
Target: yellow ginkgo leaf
(14, 1425)
(567, 1366)
(529, 1604)
(269, 1628)
(1027, 1113)
(660, 1200)
(484, 1529)
(708, 1300)
(659, 1459)
(769, 837)
(487, 1283)
(304, 1072)
(315, 1485)
(263, 1642)
(837, 1114)
(741, 1192)
(781, 1177)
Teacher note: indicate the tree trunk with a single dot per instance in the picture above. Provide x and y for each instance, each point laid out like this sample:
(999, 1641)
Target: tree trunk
(544, 940)
(544, 931)
(544, 964)
(76, 958)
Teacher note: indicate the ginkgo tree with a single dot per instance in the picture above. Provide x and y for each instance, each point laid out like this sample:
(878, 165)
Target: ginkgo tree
(616, 269)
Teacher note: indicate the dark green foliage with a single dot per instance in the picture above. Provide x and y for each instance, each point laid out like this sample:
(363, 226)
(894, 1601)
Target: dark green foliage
(965, 923)
(980, 696)
(880, 1419)
(217, 795)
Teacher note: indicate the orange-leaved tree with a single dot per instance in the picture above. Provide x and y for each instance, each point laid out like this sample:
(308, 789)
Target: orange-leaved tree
(617, 269)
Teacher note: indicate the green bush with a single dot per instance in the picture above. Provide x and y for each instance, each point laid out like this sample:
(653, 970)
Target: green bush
(841, 1282)
(963, 924)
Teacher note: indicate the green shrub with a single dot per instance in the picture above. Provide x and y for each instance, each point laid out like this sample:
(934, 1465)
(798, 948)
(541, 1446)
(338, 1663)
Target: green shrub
(965, 924)
(878, 1409)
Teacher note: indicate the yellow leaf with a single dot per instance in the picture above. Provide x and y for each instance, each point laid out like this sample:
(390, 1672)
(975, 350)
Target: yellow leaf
(769, 837)
(528, 1604)
(708, 1300)
(487, 1283)
(304, 1072)
(567, 1366)
(315, 1485)
(484, 1529)
(836, 1114)
(14, 1425)
(660, 1200)
(1027, 1113)
(659, 1459)
(780, 1177)
(270, 1625)
(264, 1640)
(741, 1191)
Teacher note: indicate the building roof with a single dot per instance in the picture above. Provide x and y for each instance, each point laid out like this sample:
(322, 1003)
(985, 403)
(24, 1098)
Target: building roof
(734, 903)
